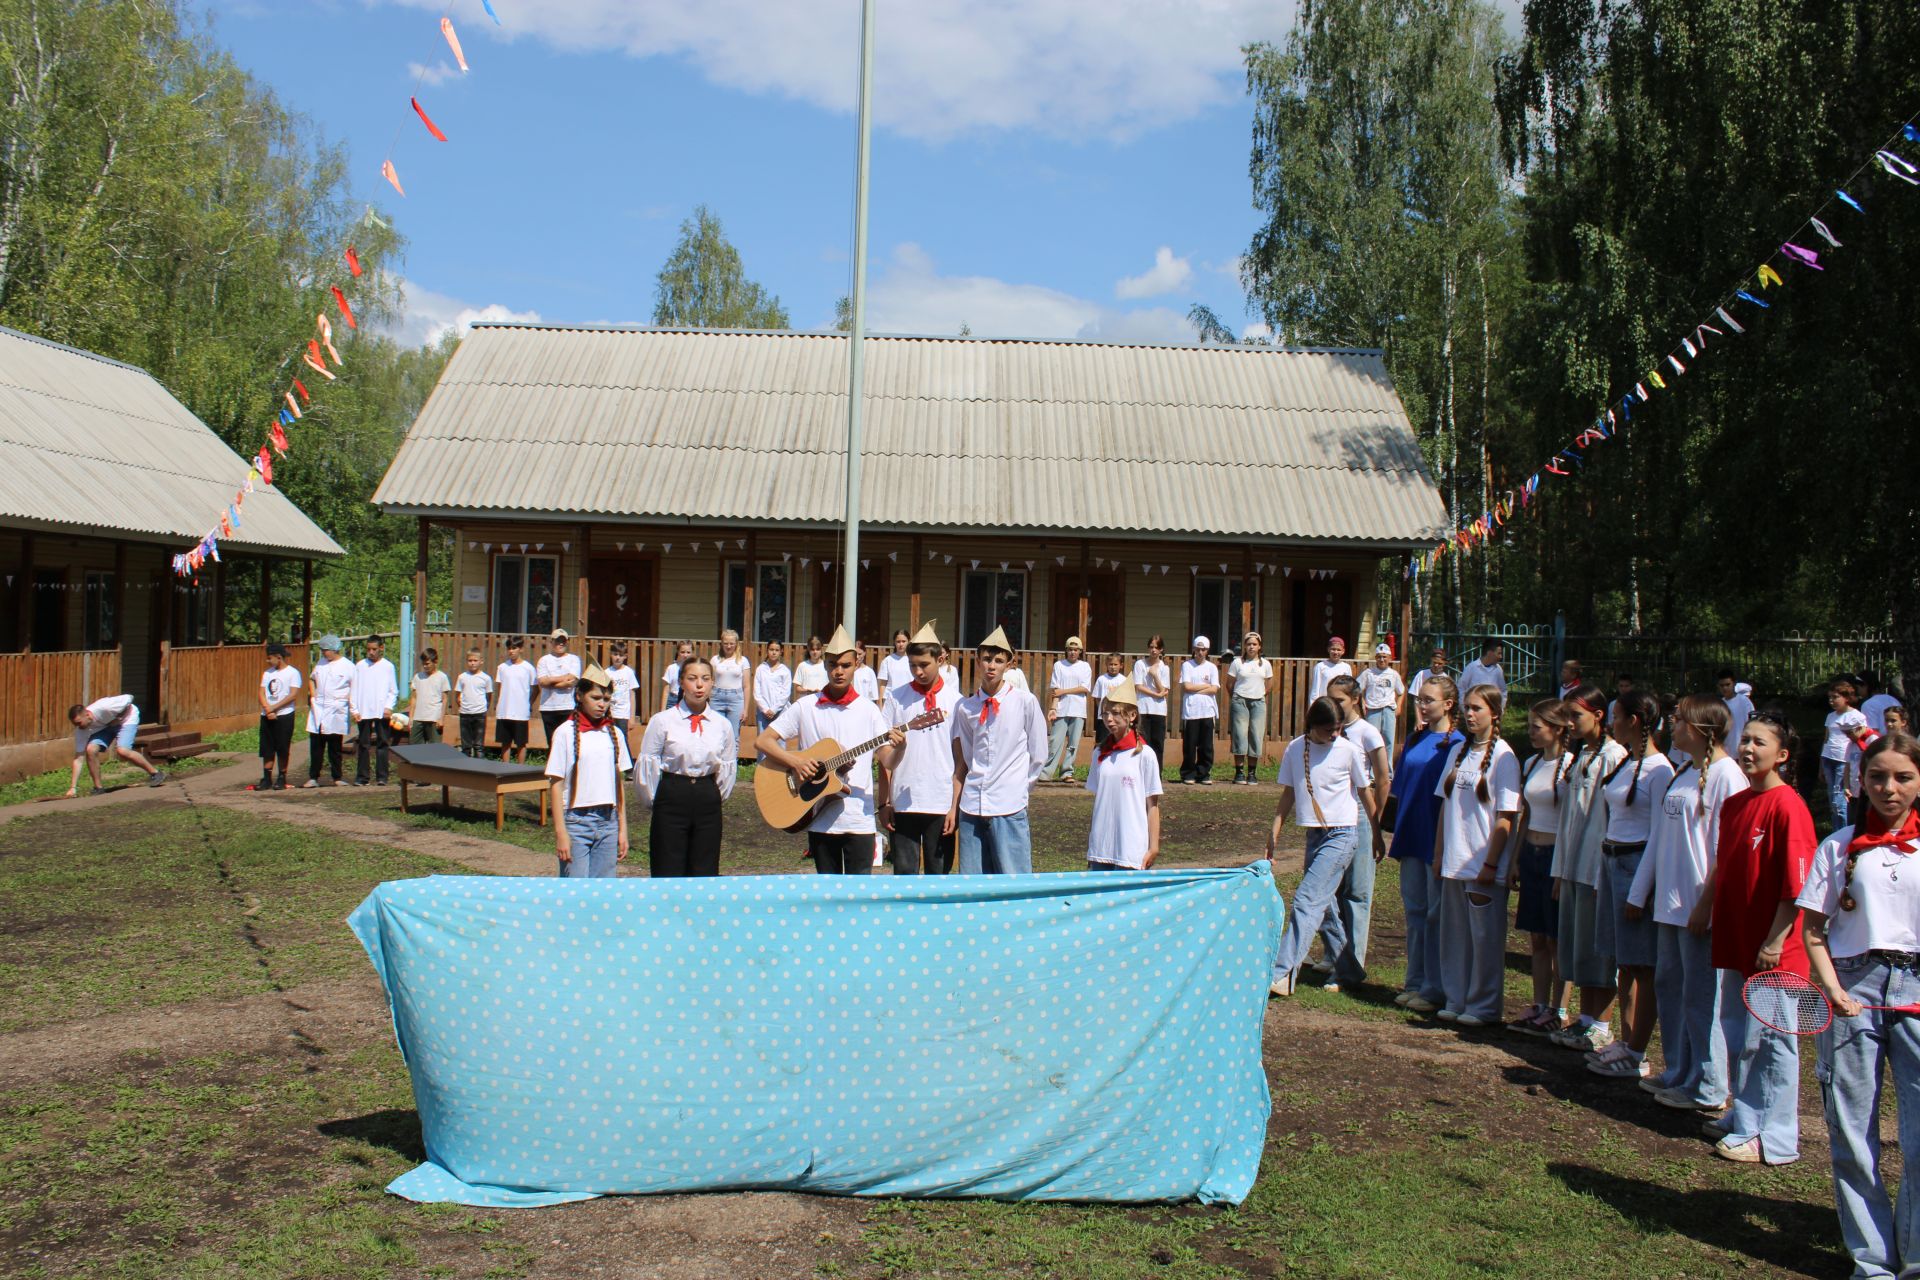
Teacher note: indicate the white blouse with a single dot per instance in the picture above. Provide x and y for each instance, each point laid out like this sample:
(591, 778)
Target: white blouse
(673, 745)
(730, 673)
(772, 689)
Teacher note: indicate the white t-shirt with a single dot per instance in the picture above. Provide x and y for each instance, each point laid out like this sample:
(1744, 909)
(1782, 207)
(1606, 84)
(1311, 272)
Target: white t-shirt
(1339, 775)
(731, 673)
(896, 671)
(330, 690)
(277, 685)
(1199, 706)
(1380, 689)
(375, 688)
(1633, 823)
(1466, 821)
(1875, 710)
(599, 783)
(923, 780)
(473, 687)
(1101, 683)
(1158, 674)
(430, 694)
(1121, 784)
(1886, 912)
(772, 689)
(623, 682)
(1479, 673)
(100, 714)
(849, 723)
(557, 664)
(515, 682)
(1541, 790)
(809, 677)
(1420, 678)
(1839, 738)
(1015, 678)
(866, 684)
(1004, 756)
(1071, 675)
(1323, 673)
(1250, 678)
(1681, 850)
(1368, 739)
(1739, 711)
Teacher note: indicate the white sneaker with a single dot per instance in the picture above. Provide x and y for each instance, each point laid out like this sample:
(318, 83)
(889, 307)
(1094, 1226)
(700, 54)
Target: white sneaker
(1403, 997)
(1280, 987)
(1608, 1053)
(1475, 1020)
(1623, 1067)
(1448, 1015)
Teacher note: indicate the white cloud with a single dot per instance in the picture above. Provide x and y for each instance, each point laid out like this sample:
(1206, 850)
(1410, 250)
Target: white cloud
(1167, 274)
(1062, 67)
(437, 74)
(911, 296)
(426, 316)
(1257, 331)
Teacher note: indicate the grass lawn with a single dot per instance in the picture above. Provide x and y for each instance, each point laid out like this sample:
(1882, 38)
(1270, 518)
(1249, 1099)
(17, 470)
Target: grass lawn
(116, 773)
(1396, 1148)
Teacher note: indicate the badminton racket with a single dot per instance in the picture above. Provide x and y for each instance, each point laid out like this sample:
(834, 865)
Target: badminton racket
(1793, 1005)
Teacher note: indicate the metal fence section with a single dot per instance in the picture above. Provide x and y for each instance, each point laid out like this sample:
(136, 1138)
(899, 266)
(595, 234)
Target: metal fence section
(1791, 665)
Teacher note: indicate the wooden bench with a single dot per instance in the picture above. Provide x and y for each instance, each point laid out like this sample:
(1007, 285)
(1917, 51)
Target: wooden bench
(437, 764)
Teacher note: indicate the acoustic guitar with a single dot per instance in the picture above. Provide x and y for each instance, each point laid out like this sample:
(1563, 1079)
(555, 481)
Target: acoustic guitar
(789, 804)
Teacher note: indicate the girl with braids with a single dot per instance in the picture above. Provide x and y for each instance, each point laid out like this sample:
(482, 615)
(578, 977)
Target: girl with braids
(1549, 722)
(1330, 772)
(1479, 800)
(1423, 759)
(1862, 932)
(1766, 848)
(1577, 867)
(1675, 884)
(1633, 789)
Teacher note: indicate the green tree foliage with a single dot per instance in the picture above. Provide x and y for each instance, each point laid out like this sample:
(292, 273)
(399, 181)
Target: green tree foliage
(704, 286)
(1376, 161)
(1668, 147)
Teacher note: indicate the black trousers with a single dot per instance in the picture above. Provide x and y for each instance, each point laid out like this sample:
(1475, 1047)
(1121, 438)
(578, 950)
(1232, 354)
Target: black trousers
(325, 745)
(847, 854)
(1196, 748)
(918, 845)
(375, 737)
(473, 728)
(1154, 730)
(683, 838)
(276, 741)
(553, 720)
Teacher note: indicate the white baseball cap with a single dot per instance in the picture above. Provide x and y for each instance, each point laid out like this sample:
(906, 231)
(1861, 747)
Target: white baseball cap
(1201, 642)
(1383, 651)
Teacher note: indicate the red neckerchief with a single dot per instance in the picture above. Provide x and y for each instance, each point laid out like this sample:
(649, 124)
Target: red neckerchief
(582, 725)
(694, 718)
(938, 685)
(1126, 742)
(1874, 831)
(989, 706)
(828, 700)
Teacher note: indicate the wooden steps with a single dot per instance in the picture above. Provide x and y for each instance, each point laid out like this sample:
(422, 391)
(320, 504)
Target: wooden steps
(157, 742)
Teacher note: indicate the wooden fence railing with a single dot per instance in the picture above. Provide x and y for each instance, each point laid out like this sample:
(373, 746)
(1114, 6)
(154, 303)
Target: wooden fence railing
(37, 688)
(649, 658)
(210, 682)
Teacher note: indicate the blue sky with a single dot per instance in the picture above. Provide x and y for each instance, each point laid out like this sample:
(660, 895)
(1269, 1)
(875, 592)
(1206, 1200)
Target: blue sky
(1040, 167)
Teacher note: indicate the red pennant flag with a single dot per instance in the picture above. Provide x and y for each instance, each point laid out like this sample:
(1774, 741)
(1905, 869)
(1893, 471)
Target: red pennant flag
(316, 366)
(264, 463)
(346, 312)
(226, 531)
(279, 438)
(427, 120)
(353, 262)
(301, 387)
(313, 351)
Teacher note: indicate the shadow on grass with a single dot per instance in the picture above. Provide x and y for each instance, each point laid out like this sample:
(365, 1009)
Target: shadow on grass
(1562, 1073)
(397, 1131)
(1788, 1234)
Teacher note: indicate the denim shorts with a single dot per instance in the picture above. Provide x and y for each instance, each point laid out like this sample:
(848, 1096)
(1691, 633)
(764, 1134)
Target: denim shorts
(120, 733)
(1537, 912)
(1629, 942)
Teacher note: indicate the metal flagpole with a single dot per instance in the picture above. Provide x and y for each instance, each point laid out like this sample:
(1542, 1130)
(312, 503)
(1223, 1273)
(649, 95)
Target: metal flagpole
(850, 561)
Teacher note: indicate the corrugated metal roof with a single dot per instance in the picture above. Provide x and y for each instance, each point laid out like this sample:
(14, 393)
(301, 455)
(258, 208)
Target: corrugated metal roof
(100, 447)
(711, 426)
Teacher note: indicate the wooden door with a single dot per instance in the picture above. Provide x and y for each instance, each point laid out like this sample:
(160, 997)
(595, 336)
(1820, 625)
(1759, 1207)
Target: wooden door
(1105, 608)
(1321, 610)
(871, 627)
(621, 600)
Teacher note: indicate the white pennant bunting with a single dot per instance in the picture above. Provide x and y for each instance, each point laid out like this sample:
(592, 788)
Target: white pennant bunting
(487, 547)
(566, 546)
(786, 556)
(539, 546)
(1003, 566)
(1193, 568)
(805, 561)
(667, 547)
(1060, 560)
(894, 556)
(1163, 569)
(1223, 568)
(946, 559)
(865, 562)
(523, 547)
(639, 546)
(1287, 572)
(740, 543)
(1029, 564)
(619, 546)
(696, 548)
(976, 564)
(931, 555)
(826, 564)
(471, 545)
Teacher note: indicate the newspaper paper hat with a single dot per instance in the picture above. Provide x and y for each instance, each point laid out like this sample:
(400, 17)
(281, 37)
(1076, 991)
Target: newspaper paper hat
(925, 634)
(1123, 694)
(997, 639)
(838, 643)
(597, 675)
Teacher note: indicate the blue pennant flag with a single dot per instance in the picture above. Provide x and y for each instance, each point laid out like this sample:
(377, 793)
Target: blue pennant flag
(1765, 306)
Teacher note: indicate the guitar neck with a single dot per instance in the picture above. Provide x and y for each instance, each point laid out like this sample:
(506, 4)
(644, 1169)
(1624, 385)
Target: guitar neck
(851, 754)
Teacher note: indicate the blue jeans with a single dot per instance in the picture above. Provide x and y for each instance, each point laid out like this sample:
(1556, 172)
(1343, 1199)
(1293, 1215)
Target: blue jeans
(1247, 726)
(995, 846)
(1383, 720)
(1329, 851)
(1833, 776)
(1063, 741)
(1686, 990)
(1420, 896)
(1473, 962)
(731, 703)
(1882, 1236)
(1354, 909)
(763, 720)
(594, 837)
(1763, 1077)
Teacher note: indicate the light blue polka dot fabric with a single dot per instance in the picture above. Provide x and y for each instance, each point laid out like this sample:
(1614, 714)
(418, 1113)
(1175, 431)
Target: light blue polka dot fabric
(1049, 1037)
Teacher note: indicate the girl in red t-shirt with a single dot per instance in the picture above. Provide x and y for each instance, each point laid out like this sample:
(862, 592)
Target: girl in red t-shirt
(1766, 848)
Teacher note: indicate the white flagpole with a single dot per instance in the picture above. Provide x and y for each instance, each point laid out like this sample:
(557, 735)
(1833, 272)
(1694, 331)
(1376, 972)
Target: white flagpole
(850, 560)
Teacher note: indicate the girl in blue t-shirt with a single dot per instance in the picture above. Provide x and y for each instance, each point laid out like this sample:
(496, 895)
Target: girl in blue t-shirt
(1416, 815)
